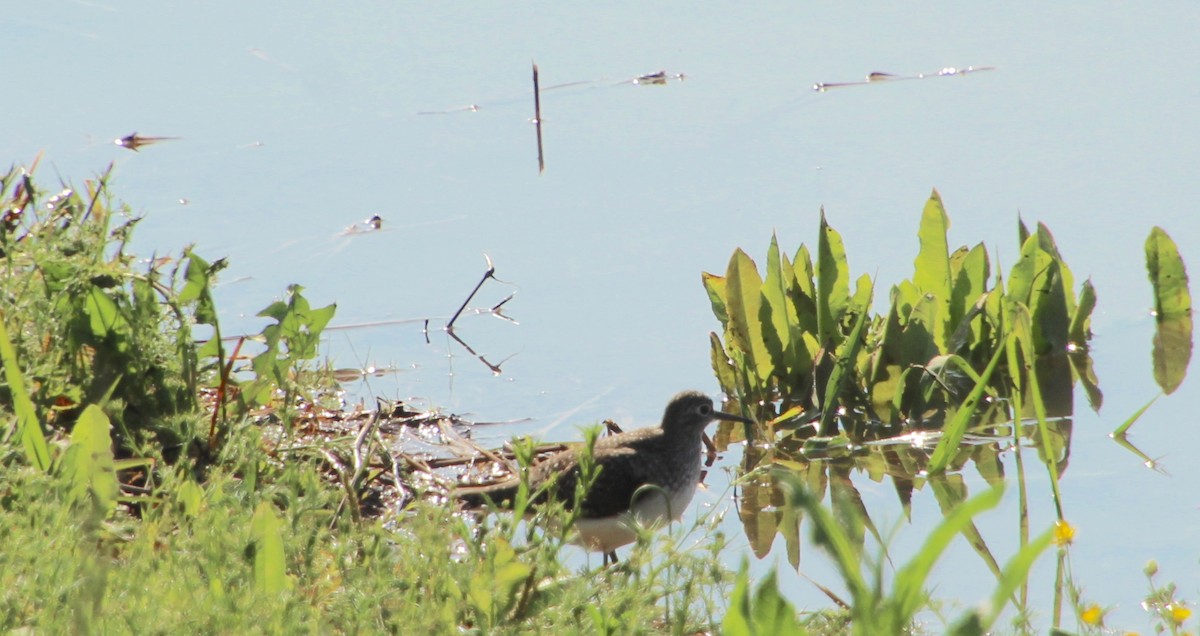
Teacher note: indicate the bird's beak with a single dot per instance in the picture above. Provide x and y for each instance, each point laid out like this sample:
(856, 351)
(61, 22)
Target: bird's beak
(730, 417)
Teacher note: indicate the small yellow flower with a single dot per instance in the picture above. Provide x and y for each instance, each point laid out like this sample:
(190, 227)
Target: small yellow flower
(1064, 533)
(1179, 613)
(1093, 615)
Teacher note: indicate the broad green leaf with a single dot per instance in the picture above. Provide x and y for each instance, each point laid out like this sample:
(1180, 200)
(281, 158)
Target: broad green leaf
(1172, 310)
(931, 269)
(774, 291)
(1051, 311)
(88, 461)
(318, 319)
(970, 284)
(778, 314)
(722, 366)
(714, 286)
(28, 428)
(802, 266)
(103, 315)
(1080, 330)
(270, 568)
(885, 386)
(743, 301)
(198, 287)
(919, 341)
(1050, 247)
(833, 285)
(1021, 278)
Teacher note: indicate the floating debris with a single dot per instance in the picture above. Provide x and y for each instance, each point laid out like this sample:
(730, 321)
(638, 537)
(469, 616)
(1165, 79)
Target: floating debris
(373, 224)
(133, 141)
(657, 79)
(877, 77)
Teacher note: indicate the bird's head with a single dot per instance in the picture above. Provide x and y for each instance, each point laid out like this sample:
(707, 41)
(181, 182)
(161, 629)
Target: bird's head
(693, 410)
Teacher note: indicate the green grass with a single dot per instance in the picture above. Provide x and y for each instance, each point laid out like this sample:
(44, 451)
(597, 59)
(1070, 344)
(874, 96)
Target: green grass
(202, 561)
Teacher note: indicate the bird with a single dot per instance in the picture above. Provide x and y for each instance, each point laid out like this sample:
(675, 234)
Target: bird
(647, 476)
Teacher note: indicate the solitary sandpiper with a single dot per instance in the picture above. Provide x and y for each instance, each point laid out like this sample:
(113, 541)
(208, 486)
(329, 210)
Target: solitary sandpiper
(646, 476)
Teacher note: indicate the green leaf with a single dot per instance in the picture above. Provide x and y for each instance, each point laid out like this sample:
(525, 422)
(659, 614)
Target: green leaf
(777, 312)
(1080, 330)
(919, 342)
(833, 285)
(847, 357)
(28, 428)
(772, 614)
(103, 315)
(1124, 427)
(198, 288)
(190, 497)
(1172, 310)
(722, 366)
(743, 301)
(715, 287)
(270, 570)
(88, 462)
(1021, 278)
(493, 589)
(931, 273)
(970, 284)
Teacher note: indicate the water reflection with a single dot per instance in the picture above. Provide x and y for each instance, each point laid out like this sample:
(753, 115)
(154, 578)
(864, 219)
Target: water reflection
(895, 452)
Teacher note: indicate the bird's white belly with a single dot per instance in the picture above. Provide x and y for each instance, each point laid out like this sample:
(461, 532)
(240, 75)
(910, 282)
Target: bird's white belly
(653, 509)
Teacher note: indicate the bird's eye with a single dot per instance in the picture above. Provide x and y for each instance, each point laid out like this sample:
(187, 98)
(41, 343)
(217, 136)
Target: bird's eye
(704, 409)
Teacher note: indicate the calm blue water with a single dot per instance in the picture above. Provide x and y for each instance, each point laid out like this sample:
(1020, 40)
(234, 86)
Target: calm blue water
(300, 119)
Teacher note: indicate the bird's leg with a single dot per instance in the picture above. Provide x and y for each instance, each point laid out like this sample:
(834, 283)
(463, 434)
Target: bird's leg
(610, 558)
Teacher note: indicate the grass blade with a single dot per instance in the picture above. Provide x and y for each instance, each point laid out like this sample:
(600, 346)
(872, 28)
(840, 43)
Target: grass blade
(29, 429)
